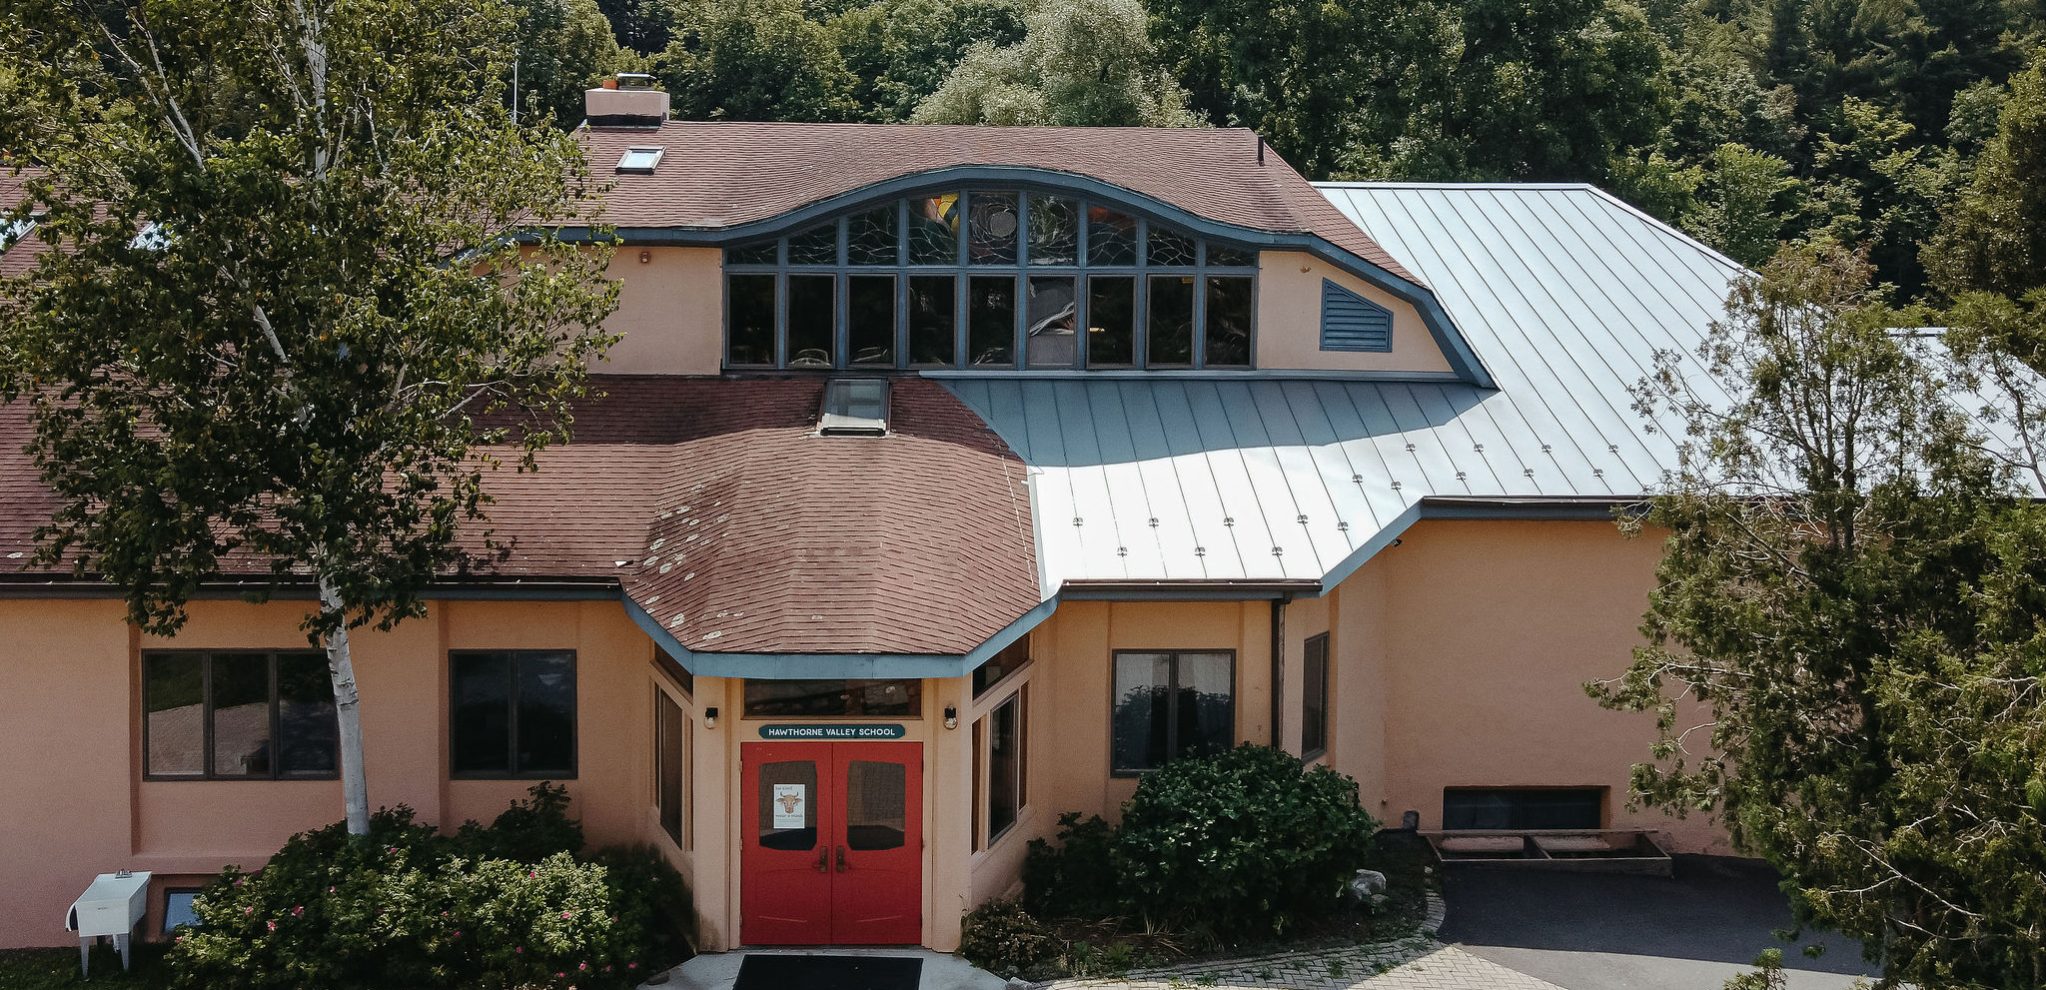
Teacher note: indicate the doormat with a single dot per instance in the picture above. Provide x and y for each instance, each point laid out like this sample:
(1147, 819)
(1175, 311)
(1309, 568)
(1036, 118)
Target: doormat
(778, 972)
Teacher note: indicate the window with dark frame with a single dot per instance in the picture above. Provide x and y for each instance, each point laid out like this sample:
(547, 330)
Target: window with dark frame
(834, 698)
(1001, 748)
(1010, 659)
(1170, 704)
(1523, 808)
(178, 910)
(671, 768)
(989, 278)
(513, 714)
(238, 715)
(1314, 697)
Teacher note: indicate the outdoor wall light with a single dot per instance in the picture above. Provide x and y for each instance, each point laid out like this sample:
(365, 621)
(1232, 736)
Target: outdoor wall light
(646, 257)
(951, 716)
(710, 717)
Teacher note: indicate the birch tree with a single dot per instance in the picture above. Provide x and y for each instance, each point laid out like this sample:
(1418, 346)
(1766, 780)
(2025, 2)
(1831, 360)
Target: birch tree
(296, 298)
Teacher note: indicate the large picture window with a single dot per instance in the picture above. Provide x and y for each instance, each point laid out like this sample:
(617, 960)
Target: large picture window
(514, 714)
(1169, 705)
(995, 279)
(238, 716)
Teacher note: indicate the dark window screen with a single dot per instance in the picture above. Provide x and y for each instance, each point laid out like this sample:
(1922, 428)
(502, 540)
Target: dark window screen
(1523, 808)
(513, 713)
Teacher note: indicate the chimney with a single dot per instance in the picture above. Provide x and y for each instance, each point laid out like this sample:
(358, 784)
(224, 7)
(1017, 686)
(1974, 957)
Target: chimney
(630, 100)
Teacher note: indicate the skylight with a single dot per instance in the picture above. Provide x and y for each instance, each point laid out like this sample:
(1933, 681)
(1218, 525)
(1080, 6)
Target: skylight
(640, 160)
(854, 407)
(12, 231)
(152, 237)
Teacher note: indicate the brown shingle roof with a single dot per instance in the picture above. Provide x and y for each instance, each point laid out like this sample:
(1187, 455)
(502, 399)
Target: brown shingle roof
(720, 513)
(717, 175)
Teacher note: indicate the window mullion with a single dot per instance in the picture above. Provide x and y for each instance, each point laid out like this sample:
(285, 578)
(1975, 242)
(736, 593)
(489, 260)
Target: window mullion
(1171, 706)
(841, 304)
(961, 285)
(781, 317)
(206, 714)
(902, 356)
(511, 719)
(276, 724)
(1140, 334)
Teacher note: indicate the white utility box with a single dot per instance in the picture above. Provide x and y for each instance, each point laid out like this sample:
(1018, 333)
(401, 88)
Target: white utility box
(112, 906)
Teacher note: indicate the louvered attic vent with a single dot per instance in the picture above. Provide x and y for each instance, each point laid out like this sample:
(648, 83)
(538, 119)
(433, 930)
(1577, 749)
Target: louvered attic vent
(854, 407)
(1350, 322)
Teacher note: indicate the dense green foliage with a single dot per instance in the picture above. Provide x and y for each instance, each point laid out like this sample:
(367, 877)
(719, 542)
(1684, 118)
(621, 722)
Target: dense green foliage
(1081, 63)
(491, 907)
(1243, 844)
(1006, 940)
(1747, 122)
(1074, 878)
(249, 344)
(1852, 669)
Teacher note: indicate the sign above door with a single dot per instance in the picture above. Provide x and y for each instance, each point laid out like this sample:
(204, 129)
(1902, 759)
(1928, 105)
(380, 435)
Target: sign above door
(840, 732)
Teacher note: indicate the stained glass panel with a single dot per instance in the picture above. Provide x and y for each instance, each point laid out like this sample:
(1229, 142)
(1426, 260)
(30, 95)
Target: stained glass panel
(870, 237)
(992, 228)
(1054, 230)
(816, 246)
(934, 230)
(1169, 248)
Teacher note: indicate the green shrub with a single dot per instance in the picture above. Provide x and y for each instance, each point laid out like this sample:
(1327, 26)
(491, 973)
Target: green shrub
(1076, 878)
(529, 831)
(405, 907)
(1002, 938)
(1239, 844)
(653, 901)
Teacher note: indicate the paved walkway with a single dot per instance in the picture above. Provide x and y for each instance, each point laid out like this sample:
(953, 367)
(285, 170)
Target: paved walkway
(1415, 963)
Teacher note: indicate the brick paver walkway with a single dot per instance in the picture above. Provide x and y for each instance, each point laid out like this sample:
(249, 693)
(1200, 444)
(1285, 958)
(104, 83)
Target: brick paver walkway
(1416, 962)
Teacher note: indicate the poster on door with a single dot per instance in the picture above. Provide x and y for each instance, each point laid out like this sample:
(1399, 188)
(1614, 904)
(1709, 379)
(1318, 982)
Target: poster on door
(788, 805)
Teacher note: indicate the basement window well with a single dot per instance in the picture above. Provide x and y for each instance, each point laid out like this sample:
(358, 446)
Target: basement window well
(640, 161)
(854, 407)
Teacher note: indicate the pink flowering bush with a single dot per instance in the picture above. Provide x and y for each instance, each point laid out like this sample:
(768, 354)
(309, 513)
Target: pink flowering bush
(408, 907)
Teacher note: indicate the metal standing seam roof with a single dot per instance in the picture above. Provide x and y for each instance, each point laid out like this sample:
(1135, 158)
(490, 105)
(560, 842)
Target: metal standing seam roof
(1565, 293)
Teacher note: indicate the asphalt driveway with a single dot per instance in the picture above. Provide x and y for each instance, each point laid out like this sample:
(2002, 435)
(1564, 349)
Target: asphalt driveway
(1599, 932)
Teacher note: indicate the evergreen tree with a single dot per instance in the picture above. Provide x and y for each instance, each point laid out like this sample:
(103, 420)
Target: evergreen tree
(1994, 239)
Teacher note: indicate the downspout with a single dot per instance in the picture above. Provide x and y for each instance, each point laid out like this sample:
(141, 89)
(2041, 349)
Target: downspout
(1279, 667)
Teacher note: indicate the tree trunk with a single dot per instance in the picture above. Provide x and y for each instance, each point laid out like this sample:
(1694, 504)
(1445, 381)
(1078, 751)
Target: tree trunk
(347, 711)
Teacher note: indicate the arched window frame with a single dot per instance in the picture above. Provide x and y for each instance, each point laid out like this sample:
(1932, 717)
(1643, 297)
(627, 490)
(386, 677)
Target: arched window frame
(1020, 271)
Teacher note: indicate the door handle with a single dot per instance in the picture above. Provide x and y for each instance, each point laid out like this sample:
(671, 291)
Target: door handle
(824, 860)
(841, 859)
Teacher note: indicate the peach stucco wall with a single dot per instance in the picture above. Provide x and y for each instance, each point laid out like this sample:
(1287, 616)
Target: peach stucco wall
(1488, 633)
(671, 311)
(70, 742)
(1457, 659)
(1289, 320)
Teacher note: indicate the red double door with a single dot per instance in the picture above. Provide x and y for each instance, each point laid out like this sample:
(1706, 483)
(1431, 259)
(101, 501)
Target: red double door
(834, 844)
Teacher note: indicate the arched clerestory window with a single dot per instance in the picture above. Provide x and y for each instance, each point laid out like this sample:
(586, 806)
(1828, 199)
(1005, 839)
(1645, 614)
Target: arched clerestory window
(990, 279)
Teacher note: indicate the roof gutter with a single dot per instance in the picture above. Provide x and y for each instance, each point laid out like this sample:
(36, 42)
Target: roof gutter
(1187, 591)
